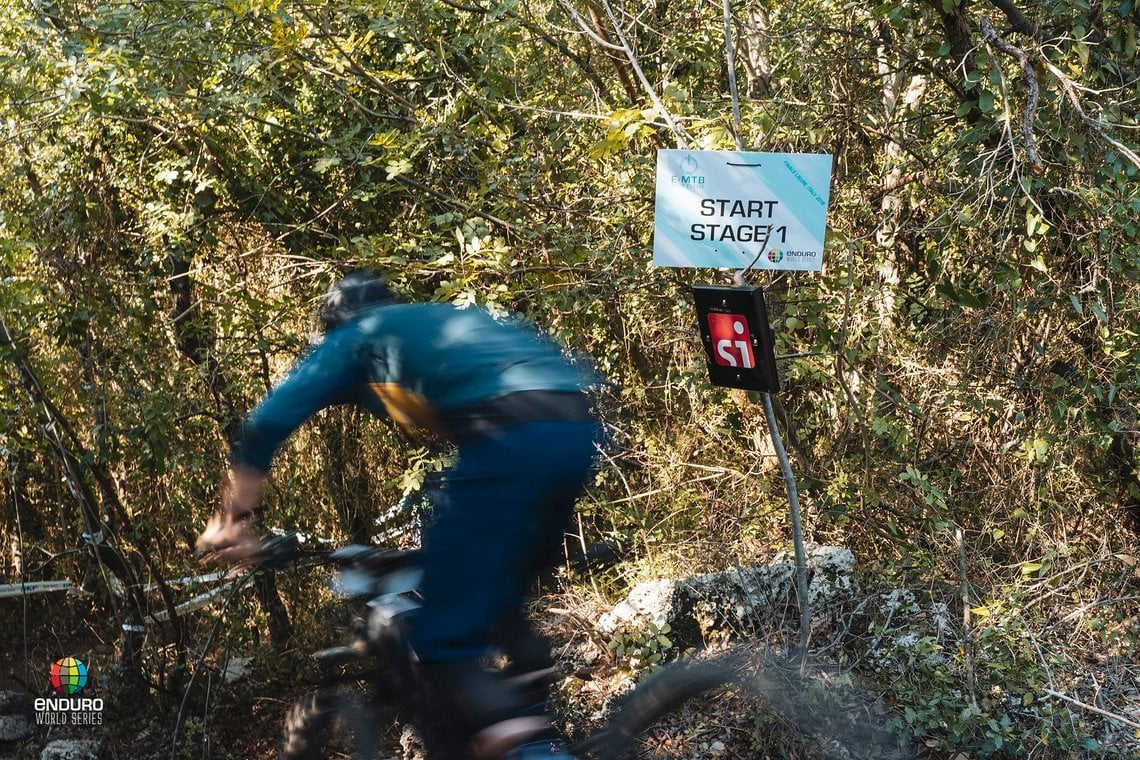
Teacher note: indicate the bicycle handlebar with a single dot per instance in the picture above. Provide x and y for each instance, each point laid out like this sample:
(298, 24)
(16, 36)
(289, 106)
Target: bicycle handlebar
(279, 552)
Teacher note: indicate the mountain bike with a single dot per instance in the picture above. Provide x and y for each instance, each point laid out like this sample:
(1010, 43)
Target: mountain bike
(378, 658)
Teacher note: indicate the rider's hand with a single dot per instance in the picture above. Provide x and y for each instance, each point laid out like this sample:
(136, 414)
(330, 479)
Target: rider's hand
(230, 536)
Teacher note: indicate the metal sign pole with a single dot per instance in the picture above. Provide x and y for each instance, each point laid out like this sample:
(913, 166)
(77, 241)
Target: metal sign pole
(766, 397)
(710, 206)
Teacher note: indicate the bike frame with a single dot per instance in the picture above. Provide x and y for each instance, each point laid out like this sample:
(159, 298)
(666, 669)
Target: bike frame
(389, 580)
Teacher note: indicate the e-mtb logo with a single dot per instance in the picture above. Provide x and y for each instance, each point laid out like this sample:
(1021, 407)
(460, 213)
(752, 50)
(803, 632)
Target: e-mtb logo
(68, 678)
(688, 176)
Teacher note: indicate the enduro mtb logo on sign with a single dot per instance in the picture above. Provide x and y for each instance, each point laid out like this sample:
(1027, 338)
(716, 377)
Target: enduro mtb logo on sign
(69, 677)
(732, 343)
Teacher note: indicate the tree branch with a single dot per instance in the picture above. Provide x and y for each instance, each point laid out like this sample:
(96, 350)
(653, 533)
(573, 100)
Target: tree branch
(630, 56)
(1020, 23)
(1070, 89)
(1030, 114)
(1084, 706)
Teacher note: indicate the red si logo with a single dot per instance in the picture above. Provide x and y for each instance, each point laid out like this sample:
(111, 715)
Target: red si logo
(732, 343)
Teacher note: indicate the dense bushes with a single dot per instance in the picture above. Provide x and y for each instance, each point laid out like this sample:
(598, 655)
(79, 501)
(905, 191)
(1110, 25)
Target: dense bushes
(179, 181)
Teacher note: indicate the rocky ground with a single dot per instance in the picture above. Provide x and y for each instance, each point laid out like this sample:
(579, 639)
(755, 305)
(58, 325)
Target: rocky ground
(788, 709)
(603, 654)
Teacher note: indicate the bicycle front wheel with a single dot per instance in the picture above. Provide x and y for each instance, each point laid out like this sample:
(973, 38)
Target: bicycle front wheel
(640, 727)
(329, 723)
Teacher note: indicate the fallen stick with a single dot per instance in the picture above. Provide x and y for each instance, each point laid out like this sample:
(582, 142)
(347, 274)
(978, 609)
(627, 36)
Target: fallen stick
(1091, 708)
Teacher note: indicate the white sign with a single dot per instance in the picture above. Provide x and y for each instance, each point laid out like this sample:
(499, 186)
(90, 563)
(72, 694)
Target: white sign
(717, 208)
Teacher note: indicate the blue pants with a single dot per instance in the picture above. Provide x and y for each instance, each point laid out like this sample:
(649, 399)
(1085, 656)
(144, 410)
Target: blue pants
(499, 523)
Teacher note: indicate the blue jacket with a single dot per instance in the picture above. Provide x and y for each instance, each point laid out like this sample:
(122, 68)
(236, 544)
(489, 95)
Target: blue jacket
(424, 365)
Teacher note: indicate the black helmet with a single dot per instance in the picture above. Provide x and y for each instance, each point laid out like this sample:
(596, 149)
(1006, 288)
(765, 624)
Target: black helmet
(352, 294)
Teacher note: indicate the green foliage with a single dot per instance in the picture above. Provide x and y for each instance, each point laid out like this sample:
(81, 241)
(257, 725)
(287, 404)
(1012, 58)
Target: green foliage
(178, 182)
(987, 698)
(643, 651)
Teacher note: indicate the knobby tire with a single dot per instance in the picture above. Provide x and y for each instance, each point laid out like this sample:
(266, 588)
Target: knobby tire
(321, 715)
(653, 699)
(313, 722)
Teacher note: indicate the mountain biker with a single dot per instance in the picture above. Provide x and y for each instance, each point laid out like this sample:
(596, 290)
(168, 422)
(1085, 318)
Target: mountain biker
(525, 435)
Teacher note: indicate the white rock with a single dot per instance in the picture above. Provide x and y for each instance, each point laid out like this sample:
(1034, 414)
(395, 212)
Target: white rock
(14, 728)
(236, 669)
(72, 749)
(744, 598)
